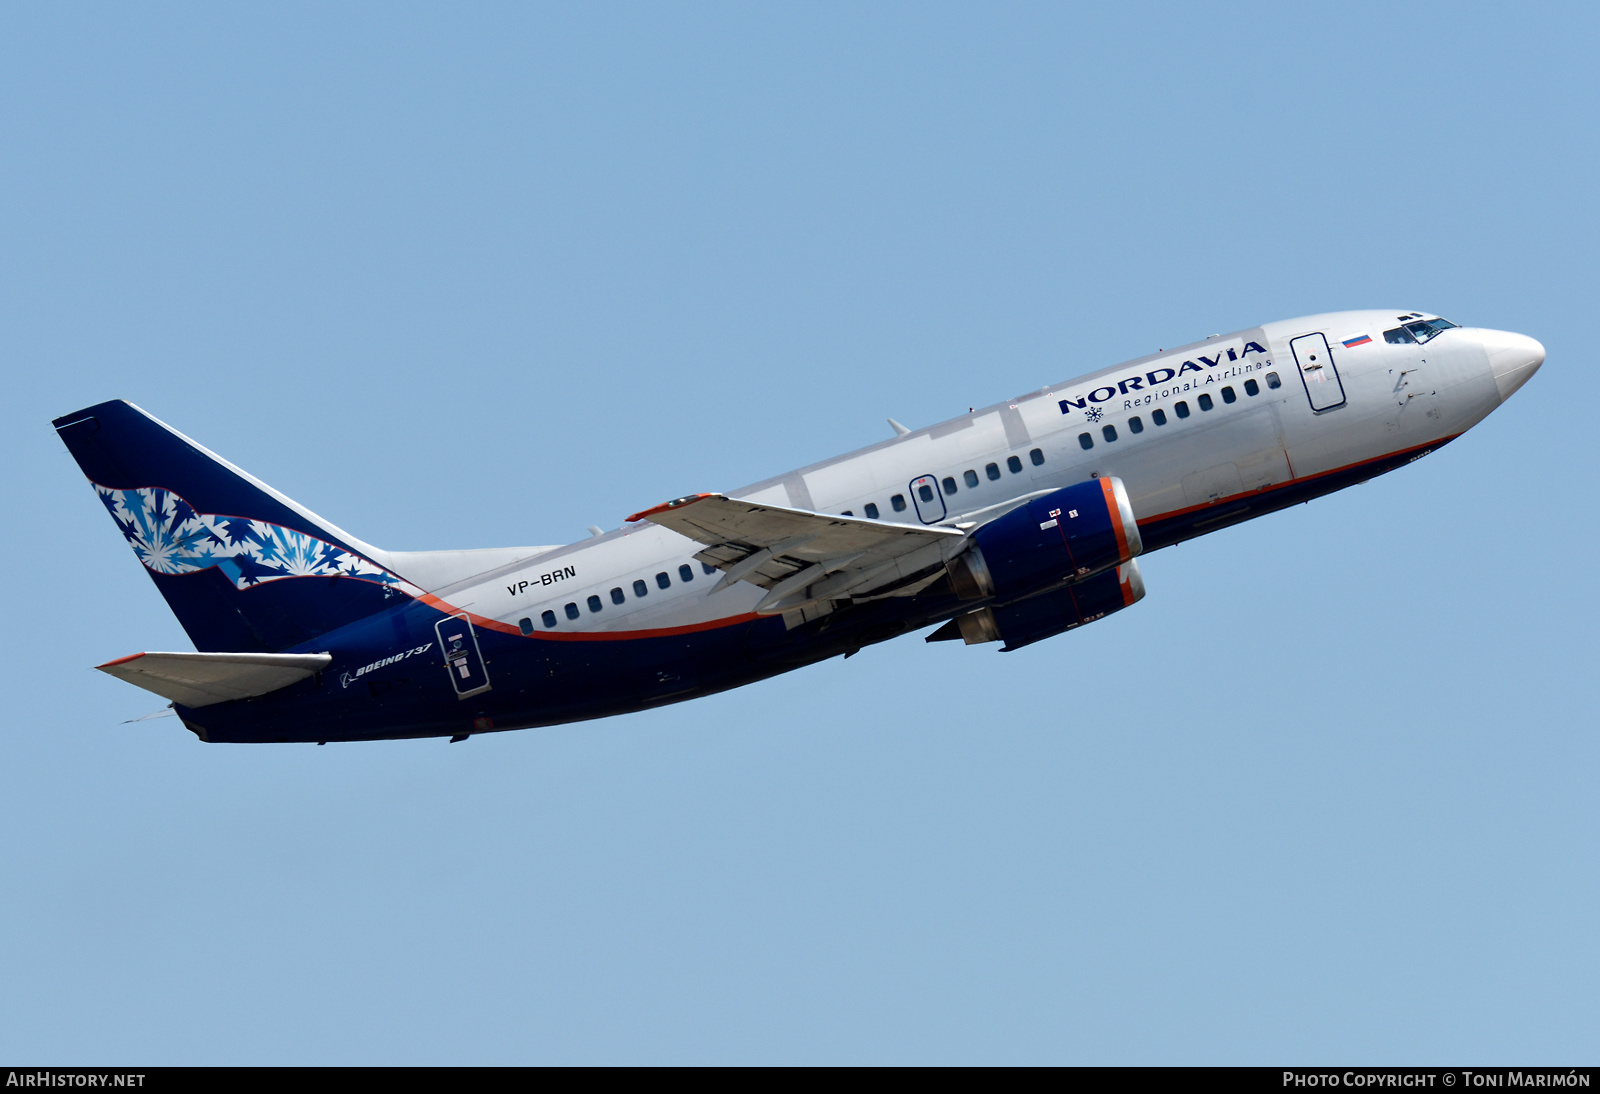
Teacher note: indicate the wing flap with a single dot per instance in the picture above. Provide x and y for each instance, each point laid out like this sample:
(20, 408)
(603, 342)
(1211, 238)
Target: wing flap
(201, 679)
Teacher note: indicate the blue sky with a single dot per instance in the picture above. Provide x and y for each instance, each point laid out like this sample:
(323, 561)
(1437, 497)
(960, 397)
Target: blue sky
(461, 276)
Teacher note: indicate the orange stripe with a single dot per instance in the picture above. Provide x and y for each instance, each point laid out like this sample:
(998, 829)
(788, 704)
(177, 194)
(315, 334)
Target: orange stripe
(582, 636)
(716, 624)
(659, 632)
(1116, 518)
(1294, 481)
(121, 660)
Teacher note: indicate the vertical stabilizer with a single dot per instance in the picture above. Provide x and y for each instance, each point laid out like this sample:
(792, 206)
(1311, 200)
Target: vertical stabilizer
(243, 567)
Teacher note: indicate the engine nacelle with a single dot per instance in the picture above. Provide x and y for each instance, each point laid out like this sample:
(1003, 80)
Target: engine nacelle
(1047, 614)
(1068, 535)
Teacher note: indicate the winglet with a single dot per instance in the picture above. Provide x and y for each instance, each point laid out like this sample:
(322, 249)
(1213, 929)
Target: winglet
(675, 503)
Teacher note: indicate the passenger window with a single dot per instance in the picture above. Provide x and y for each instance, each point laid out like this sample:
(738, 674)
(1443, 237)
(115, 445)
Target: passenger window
(1205, 401)
(1273, 381)
(1135, 425)
(707, 569)
(1014, 465)
(1037, 456)
(1229, 395)
(572, 611)
(1182, 408)
(971, 476)
(1109, 432)
(663, 581)
(925, 492)
(640, 589)
(548, 618)
(525, 625)
(594, 603)
(848, 513)
(899, 503)
(1158, 416)
(685, 572)
(617, 597)
(1085, 441)
(1252, 388)
(871, 510)
(949, 485)
(993, 471)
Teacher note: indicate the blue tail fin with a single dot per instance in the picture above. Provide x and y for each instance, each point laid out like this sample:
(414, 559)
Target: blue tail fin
(243, 568)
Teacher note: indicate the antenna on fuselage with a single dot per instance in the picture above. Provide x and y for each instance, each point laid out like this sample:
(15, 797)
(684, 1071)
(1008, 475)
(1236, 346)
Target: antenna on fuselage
(594, 530)
(899, 430)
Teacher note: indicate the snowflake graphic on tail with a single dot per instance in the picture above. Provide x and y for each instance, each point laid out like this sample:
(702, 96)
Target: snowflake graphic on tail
(171, 538)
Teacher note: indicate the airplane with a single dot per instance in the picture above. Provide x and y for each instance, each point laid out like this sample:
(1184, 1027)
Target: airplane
(1009, 524)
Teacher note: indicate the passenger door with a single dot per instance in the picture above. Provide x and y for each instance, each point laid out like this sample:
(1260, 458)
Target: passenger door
(926, 497)
(1318, 372)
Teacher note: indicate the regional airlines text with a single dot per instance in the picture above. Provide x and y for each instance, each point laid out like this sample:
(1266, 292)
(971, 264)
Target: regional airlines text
(1165, 375)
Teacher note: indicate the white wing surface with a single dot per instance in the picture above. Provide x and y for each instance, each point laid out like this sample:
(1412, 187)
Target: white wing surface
(200, 679)
(803, 558)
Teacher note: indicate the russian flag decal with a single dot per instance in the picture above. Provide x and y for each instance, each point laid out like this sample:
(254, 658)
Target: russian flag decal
(1358, 340)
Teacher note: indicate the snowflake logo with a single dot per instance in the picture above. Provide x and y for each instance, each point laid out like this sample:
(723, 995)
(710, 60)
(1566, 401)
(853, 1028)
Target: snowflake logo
(171, 538)
(1094, 414)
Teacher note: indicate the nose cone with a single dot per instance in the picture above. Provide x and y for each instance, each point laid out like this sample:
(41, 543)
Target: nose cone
(1513, 357)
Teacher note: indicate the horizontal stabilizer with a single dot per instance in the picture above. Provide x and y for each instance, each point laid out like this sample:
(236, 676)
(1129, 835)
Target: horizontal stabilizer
(201, 679)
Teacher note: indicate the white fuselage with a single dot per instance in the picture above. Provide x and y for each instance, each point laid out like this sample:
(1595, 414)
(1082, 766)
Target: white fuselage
(1176, 455)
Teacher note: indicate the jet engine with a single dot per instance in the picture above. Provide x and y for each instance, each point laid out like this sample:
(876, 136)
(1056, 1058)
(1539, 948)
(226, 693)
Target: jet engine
(1068, 535)
(1044, 615)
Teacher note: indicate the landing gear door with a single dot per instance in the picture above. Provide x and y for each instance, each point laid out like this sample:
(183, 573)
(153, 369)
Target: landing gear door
(1317, 372)
(461, 656)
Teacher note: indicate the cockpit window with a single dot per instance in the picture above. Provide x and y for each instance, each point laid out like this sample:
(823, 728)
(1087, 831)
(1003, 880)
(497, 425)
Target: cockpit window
(1418, 331)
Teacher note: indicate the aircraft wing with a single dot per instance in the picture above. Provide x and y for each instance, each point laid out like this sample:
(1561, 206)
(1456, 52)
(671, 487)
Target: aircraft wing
(801, 557)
